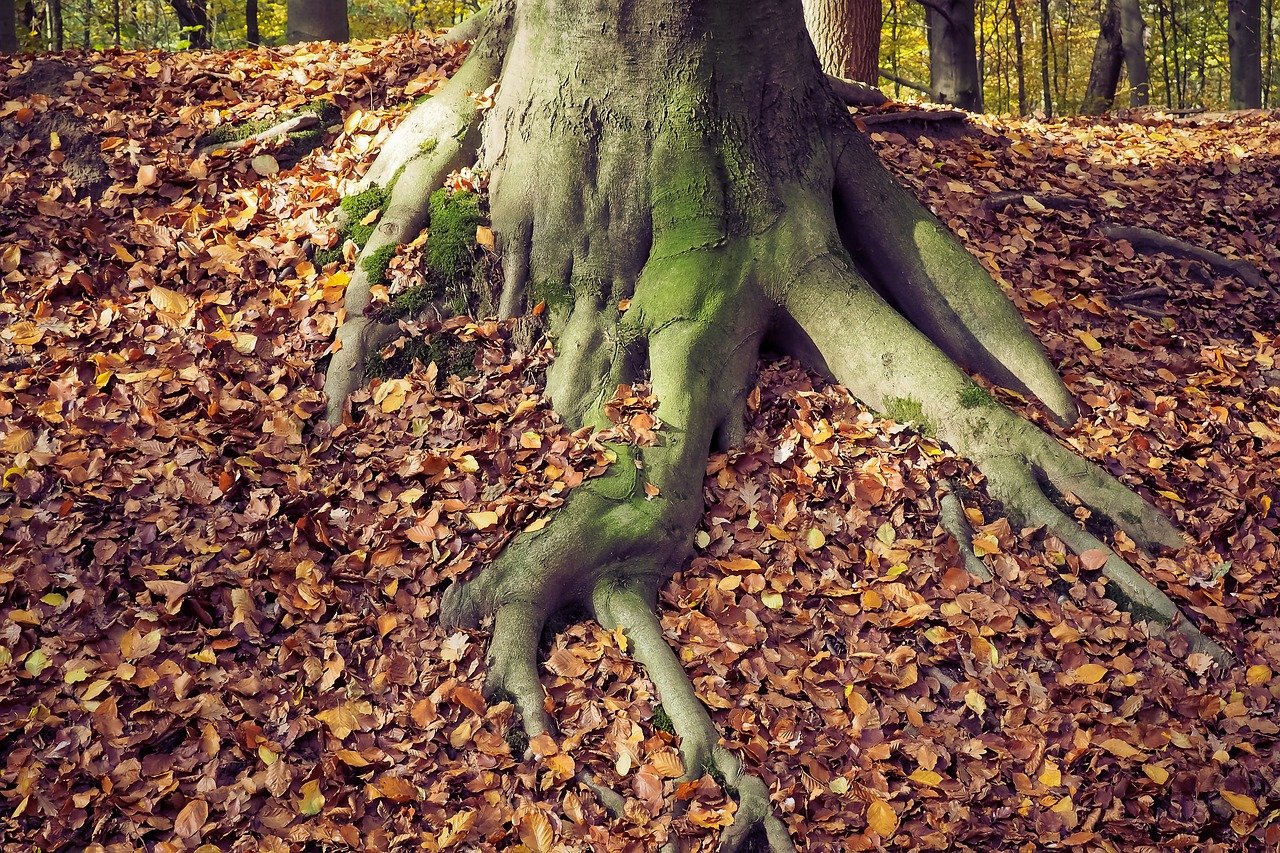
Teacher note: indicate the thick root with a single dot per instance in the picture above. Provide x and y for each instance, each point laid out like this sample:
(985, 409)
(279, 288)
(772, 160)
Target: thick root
(894, 366)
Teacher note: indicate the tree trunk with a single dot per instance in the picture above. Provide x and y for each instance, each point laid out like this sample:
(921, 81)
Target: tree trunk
(317, 20)
(953, 54)
(251, 23)
(846, 34)
(1133, 40)
(1046, 87)
(86, 33)
(55, 25)
(1108, 57)
(193, 17)
(1016, 19)
(664, 234)
(8, 26)
(1244, 41)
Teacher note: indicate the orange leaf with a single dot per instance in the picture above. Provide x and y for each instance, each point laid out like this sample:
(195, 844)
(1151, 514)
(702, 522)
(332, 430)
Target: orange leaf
(191, 818)
(881, 818)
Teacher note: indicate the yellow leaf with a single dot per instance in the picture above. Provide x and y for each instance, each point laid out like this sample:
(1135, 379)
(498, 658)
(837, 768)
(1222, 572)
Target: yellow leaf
(456, 829)
(881, 818)
(1051, 775)
(1090, 673)
(1116, 746)
(483, 520)
(620, 638)
(1043, 298)
(1258, 674)
(1173, 496)
(536, 831)
(926, 777)
(484, 236)
(268, 757)
(36, 662)
(54, 599)
(973, 699)
(740, 564)
(815, 539)
(984, 544)
(1089, 341)
(1156, 773)
(772, 600)
(170, 301)
(1240, 802)
(1064, 806)
(25, 333)
(311, 801)
(391, 394)
(1033, 204)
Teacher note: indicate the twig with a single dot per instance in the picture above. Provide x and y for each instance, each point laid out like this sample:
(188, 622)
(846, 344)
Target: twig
(1001, 200)
(914, 115)
(904, 82)
(287, 126)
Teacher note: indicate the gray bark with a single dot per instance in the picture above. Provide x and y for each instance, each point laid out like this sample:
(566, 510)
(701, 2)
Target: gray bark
(317, 20)
(1244, 41)
(8, 26)
(1133, 40)
(1108, 58)
(953, 54)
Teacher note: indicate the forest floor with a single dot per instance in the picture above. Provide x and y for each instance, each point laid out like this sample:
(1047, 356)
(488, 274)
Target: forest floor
(218, 617)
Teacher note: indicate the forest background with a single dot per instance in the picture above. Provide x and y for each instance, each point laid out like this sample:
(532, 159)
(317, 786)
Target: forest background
(1032, 55)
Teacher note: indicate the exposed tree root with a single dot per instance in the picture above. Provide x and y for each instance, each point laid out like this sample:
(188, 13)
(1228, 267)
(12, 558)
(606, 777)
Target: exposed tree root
(289, 125)
(954, 522)
(1146, 240)
(855, 94)
(1001, 200)
(923, 116)
(903, 82)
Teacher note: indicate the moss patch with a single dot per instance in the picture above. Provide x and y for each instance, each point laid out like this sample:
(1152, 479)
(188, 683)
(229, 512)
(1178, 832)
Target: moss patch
(555, 293)
(661, 721)
(451, 356)
(375, 264)
(905, 410)
(451, 241)
(301, 141)
(975, 395)
(355, 209)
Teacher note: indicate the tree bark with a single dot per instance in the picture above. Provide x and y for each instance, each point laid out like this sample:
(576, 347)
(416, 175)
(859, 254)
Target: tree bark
(1133, 40)
(8, 26)
(953, 54)
(55, 25)
(317, 20)
(1244, 44)
(846, 34)
(1046, 88)
(1016, 19)
(252, 38)
(193, 16)
(1108, 58)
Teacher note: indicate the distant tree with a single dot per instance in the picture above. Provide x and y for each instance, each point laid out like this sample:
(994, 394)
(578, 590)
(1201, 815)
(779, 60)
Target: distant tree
(318, 20)
(8, 26)
(953, 53)
(193, 16)
(1244, 41)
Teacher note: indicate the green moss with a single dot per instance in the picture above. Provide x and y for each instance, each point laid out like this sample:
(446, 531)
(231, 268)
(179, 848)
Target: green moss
(552, 291)
(375, 264)
(356, 208)
(300, 141)
(517, 740)
(451, 356)
(661, 721)
(905, 410)
(415, 299)
(428, 146)
(975, 395)
(451, 240)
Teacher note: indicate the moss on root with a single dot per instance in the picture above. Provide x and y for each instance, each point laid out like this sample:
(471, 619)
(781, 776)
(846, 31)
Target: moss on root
(451, 356)
(451, 241)
(375, 263)
(661, 721)
(906, 410)
(355, 209)
(974, 396)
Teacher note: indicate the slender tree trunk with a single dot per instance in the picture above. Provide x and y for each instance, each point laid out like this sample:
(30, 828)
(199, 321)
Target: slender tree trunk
(1018, 47)
(55, 24)
(1104, 71)
(251, 23)
(317, 20)
(193, 17)
(115, 23)
(1045, 84)
(1269, 79)
(953, 54)
(86, 34)
(1164, 55)
(1244, 44)
(1134, 44)
(846, 34)
(8, 26)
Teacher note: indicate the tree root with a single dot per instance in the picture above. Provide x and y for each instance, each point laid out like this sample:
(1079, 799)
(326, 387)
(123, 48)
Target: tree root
(954, 522)
(855, 94)
(289, 125)
(1144, 239)
(632, 610)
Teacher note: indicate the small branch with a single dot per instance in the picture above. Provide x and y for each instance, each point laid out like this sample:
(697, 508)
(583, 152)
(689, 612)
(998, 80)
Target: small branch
(287, 126)
(1001, 200)
(1144, 239)
(855, 94)
(902, 81)
(936, 7)
(1153, 292)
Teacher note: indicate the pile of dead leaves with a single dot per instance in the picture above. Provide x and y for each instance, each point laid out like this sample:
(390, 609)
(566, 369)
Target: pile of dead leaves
(217, 616)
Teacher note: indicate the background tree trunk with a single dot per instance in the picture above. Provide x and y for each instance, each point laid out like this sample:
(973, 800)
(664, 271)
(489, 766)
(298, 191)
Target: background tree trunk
(193, 16)
(1016, 19)
(317, 20)
(1134, 44)
(846, 34)
(55, 24)
(1046, 85)
(251, 23)
(8, 26)
(953, 54)
(1108, 57)
(1244, 43)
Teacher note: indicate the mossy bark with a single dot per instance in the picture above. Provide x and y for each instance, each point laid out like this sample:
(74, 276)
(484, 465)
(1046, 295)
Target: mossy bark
(725, 197)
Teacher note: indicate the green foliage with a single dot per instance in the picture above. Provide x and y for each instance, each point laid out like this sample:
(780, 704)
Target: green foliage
(356, 208)
(452, 238)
